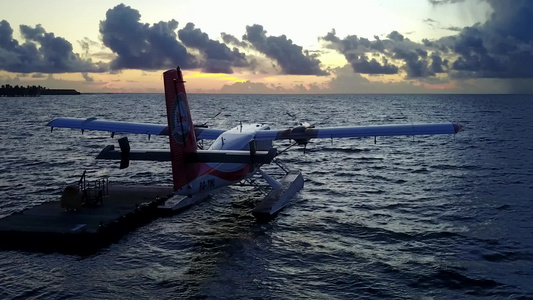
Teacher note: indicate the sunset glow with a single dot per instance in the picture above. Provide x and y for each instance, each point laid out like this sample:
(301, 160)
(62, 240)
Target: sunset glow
(418, 46)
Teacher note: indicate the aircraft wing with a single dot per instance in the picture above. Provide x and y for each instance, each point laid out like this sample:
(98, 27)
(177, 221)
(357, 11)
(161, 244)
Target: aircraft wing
(111, 126)
(300, 133)
(127, 127)
(207, 133)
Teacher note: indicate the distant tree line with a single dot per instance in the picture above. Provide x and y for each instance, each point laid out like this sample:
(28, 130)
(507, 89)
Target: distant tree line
(8, 90)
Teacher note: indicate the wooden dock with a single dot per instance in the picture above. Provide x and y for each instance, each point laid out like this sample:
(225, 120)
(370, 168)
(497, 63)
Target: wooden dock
(50, 228)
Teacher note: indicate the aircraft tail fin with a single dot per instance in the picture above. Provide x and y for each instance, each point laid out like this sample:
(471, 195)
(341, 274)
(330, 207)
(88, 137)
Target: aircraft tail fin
(181, 128)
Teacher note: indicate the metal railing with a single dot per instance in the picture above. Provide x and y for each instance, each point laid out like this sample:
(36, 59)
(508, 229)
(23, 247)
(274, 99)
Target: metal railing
(93, 192)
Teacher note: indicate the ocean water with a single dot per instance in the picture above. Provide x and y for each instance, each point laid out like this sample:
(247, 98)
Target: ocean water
(430, 217)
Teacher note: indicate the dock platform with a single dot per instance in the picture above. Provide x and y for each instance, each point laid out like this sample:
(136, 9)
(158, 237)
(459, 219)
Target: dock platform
(50, 228)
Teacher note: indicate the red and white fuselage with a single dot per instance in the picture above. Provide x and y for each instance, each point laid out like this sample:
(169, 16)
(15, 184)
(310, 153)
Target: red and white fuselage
(215, 175)
(192, 178)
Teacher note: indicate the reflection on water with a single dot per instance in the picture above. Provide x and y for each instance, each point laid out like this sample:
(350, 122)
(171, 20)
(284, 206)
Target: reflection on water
(437, 217)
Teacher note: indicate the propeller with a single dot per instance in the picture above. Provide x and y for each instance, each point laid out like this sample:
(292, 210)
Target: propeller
(204, 125)
(301, 128)
(300, 123)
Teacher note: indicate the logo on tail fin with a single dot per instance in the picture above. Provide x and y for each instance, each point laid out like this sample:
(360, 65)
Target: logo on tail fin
(181, 130)
(180, 119)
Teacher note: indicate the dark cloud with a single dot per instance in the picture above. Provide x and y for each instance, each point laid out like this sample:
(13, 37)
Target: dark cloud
(470, 41)
(219, 58)
(87, 77)
(6, 36)
(416, 65)
(353, 43)
(421, 53)
(140, 45)
(395, 36)
(231, 40)
(291, 58)
(511, 20)
(502, 47)
(437, 63)
(427, 43)
(54, 54)
(499, 48)
(416, 57)
(336, 41)
(419, 60)
(445, 44)
(361, 64)
(453, 28)
(354, 50)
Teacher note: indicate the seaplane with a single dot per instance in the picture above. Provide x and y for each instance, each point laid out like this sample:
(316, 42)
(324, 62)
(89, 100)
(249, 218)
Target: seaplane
(234, 156)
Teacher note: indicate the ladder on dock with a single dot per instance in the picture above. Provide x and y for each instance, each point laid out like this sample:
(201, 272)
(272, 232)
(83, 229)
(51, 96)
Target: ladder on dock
(93, 192)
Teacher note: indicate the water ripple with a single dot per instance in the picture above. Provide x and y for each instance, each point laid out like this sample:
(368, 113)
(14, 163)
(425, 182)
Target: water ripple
(431, 217)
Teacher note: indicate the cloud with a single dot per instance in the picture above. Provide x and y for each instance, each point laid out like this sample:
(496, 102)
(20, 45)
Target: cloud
(6, 36)
(361, 64)
(416, 64)
(437, 63)
(354, 50)
(352, 44)
(420, 60)
(87, 77)
(511, 20)
(395, 36)
(219, 58)
(474, 56)
(499, 48)
(344, 81)
(231, 40)
(142, 46)
(348, 82)
(86, 44)
(502, 47)
(291, 58)
(452, 28)
(54, 54)
(249, 87)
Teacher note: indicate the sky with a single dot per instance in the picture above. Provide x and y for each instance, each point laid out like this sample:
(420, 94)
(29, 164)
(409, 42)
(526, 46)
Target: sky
(290, 46)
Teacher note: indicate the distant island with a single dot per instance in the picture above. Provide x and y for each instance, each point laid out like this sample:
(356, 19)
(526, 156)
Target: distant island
(32, 91)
